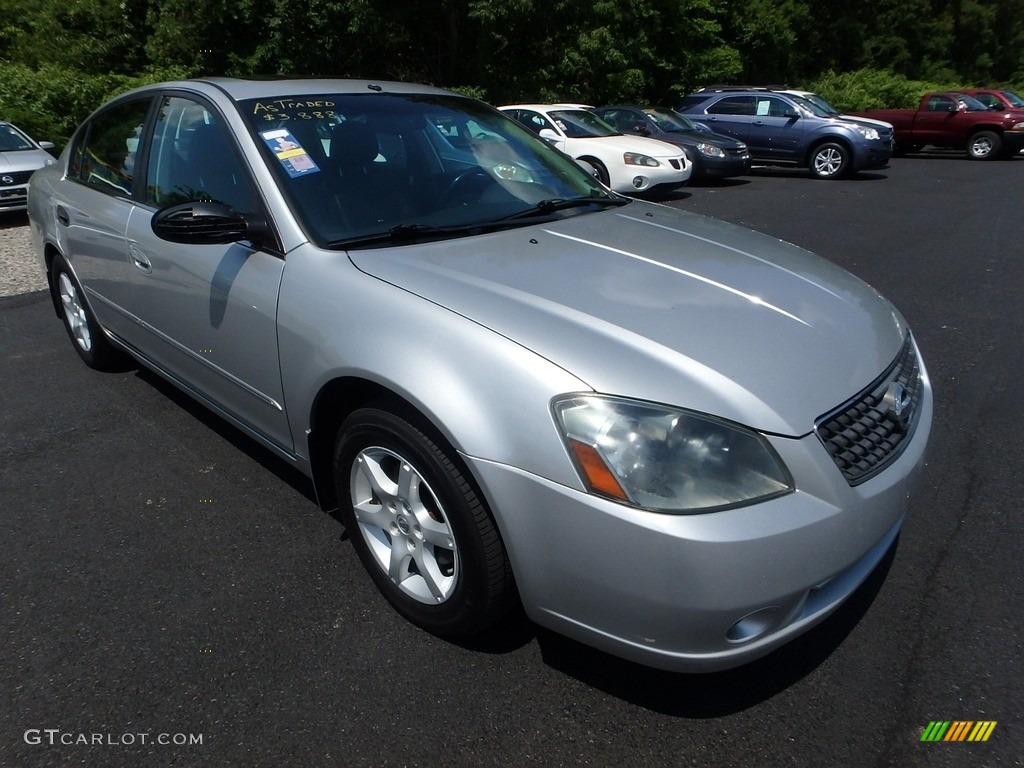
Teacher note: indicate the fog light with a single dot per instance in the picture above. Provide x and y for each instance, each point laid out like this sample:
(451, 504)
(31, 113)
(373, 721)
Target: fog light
(753, 625)
(639, 182)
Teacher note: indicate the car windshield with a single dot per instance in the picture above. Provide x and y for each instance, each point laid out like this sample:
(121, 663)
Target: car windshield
(362, 170)
(671, 122)
(810, 106)
(819, 102)
(581, 124)
(1013, 98)
(13, 140)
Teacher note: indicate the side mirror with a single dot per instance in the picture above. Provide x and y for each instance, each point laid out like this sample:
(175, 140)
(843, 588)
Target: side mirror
(46, 145)
(206, 223)
(792, 113)
(549, 135)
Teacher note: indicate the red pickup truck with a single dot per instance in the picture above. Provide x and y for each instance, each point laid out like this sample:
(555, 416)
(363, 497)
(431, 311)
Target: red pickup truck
(957, 121)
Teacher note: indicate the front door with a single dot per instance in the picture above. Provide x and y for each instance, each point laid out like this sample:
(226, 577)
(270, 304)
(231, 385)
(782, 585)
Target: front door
(209, 312)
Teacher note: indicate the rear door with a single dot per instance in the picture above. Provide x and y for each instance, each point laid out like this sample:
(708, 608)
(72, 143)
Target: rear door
(92, 212)
(732, 115)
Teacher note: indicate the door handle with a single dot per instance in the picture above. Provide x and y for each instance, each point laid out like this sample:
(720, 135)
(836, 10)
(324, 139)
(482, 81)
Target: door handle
(62, 216)
(139, 259)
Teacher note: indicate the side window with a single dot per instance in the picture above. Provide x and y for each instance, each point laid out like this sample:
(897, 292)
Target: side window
(733, 105)
(535, 121)
(778, 107)
(940, 104)
(106, 150)
(988, 100)
(193, 159)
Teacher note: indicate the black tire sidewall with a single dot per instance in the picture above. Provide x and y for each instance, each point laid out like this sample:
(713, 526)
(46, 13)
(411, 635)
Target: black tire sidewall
(474, 604)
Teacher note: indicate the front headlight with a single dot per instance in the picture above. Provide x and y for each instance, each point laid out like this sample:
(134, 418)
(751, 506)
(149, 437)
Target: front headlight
(870, 134)
(710, 150)
(1018, 127)
(667, 459)
(634, 158)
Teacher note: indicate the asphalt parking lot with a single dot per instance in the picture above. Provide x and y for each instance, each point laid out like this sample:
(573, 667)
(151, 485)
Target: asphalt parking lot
(163, 578)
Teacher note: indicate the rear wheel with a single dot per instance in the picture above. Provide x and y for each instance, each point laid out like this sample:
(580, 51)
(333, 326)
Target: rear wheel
(984, 145)
(830, 160)
(87, 337)
(418, 525)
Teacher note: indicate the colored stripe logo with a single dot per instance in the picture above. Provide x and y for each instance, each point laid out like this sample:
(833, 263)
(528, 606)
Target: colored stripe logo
(958, 730)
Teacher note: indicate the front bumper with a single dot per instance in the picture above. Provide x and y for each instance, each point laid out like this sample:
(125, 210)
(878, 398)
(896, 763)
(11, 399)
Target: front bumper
(873, 154)
(13, 198)
(670, 174)
(700, 592)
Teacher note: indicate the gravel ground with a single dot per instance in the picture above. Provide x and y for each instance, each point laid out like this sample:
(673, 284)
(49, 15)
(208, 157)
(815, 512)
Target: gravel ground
(19, 272)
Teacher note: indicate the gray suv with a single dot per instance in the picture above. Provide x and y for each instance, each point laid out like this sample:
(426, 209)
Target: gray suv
(789, 130)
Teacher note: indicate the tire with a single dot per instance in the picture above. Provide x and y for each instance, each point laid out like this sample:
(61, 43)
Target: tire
(830, 160)
(87, 336)
(599, 169)
(418, 525)
(984, 145)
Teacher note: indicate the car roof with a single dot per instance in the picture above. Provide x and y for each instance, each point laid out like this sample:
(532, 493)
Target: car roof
(241, 89)
(542, 107)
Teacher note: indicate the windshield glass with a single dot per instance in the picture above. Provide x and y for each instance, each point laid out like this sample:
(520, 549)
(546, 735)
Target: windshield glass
(1014, 99)
(821, 104)
(581, 124)
(671, 122)
(411, 165)
(12, 140)
(812, 107)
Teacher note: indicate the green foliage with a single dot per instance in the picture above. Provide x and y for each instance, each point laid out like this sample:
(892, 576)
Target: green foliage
(874, 88)
(59, 59)
(51, 101)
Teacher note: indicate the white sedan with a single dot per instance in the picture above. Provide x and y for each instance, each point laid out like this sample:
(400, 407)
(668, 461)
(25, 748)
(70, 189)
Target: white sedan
(628, 164)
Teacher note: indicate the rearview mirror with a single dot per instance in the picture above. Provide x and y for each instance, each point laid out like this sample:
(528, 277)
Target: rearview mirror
(206, 223)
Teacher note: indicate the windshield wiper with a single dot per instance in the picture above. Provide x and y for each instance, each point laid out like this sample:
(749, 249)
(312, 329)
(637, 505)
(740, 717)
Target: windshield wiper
(403, 233)
(545, 207)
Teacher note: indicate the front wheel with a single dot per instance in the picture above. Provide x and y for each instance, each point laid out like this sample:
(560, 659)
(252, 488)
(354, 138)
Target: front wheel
(418, 525)
(599, 170)
(984, 145)
(830, 160)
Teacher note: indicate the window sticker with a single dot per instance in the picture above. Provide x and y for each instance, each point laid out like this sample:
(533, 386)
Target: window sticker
(293, 158)
(763, 106)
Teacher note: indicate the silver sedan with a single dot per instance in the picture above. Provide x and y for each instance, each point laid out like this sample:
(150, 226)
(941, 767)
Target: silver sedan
(671, 438)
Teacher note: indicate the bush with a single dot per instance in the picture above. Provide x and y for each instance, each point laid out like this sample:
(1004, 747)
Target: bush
(51, 101)
(874, 89)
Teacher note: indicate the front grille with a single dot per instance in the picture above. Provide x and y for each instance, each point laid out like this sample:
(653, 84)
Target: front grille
(19, 177)
(866, 434)
(675, 163)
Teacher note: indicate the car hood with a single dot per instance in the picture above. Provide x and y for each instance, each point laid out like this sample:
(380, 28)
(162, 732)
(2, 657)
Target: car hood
(692, 138)
(25, 160)
(653, 303)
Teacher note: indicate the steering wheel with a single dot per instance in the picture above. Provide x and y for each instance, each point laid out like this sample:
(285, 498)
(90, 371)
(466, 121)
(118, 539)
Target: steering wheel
(471, 180)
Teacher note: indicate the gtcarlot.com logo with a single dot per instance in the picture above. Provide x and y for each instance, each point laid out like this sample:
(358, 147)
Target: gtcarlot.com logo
(56, 737)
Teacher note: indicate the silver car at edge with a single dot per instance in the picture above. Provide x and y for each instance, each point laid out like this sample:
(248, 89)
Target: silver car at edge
(668, 437)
